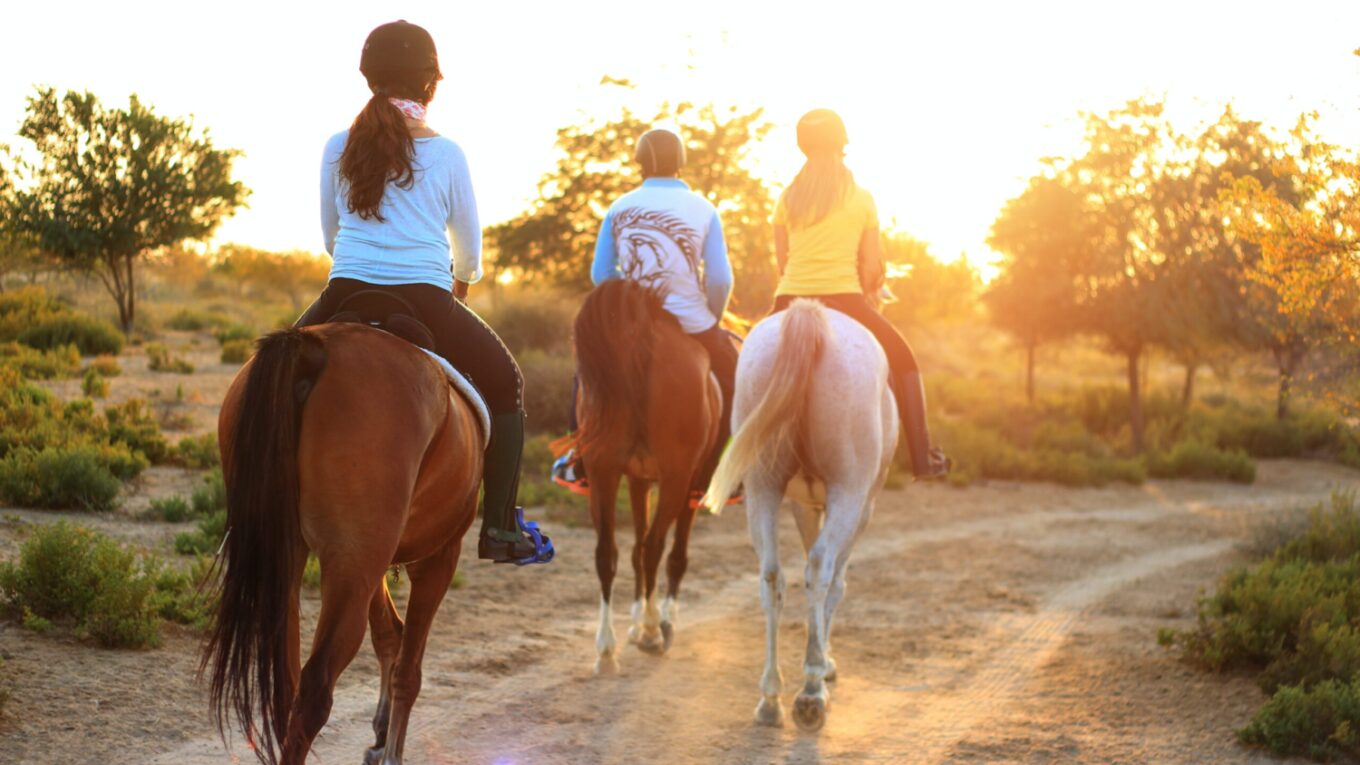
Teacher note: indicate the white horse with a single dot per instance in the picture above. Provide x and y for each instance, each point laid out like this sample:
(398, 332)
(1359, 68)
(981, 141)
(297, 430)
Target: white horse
(813, 408)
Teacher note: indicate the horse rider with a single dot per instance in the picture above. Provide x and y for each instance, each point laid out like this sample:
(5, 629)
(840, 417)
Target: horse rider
(669, 237)
(827, 248)
(395, 197)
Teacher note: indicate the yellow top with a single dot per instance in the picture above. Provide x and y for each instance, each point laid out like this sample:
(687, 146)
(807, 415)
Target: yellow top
(824, 257)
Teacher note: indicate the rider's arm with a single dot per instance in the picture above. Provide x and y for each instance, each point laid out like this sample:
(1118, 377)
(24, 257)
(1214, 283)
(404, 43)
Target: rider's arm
(330, 214)
(870, 261)
(606, 264)
(717, 268)
(465, 229)
(781, 246)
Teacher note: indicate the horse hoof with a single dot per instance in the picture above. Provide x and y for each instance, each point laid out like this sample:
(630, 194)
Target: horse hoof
(809, 712)
(654, 644)
(634, 634)
(770, 712)
(830, 675)
(606, 664)
(667, 636)
(374, 755)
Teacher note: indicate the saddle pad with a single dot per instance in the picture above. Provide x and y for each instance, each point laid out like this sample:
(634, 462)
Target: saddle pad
(469, 393)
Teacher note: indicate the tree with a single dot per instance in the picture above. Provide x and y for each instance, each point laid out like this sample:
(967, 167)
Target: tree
(927, 290)
(1303, 222)
(1043, 235)
(293, 275)
(554, 240)
(115, 184)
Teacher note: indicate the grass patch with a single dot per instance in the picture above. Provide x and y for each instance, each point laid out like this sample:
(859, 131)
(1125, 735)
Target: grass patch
(93, 384)
(171, 509)
(236, 351)
(198, 452)
(106, 366)
(34, 364)
(90, 335)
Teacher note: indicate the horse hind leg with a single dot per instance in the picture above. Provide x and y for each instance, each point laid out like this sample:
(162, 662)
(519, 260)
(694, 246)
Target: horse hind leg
(762, 518)
(677, 561)
(385, 625)
(604, 489)
(825, 564)
(639, 493)
(429, 582)
(346, 591)
(671, 505)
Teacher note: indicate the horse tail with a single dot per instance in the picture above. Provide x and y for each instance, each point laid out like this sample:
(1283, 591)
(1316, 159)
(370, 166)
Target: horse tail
(776, 419)
(247, 645)
(614, 334)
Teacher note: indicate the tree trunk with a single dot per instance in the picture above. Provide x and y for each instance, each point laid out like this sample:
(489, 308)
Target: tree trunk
(1188, 392)
(1029, 373)
(1287, 360)
(1135, 401)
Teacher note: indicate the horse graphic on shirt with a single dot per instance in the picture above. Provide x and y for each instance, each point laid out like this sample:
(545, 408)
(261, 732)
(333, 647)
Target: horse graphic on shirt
(655, 246)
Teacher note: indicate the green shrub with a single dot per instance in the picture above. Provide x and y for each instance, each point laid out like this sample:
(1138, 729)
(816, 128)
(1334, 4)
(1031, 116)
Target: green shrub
(191, 320)
(159, 359)
(1192, 459)
(547, 391)
(185, 597)
(171, 509)
(237, 351)
(106, 366)
(57, 477)
(211, 496)
(34, 364)
(70, 573)
(24, 308)
(537, 322)
(92, 336)
(230, 332)
(134, 424)
(1321, 722)
(93, 384)
(206, 539)
(198, 452)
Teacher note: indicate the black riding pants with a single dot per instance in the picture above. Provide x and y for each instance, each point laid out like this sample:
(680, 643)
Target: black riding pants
(459, 336)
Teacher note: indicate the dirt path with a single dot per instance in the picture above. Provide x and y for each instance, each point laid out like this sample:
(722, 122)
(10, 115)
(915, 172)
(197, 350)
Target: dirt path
(1006, 623)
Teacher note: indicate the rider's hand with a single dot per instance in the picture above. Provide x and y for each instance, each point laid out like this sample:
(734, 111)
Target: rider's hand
(460, 290)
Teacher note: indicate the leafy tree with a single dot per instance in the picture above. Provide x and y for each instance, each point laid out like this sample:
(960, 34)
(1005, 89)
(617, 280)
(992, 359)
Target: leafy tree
(1304, 223)
(1043, 236)
(554, 240)
(927, 289)
(115, 184)
(293, 275)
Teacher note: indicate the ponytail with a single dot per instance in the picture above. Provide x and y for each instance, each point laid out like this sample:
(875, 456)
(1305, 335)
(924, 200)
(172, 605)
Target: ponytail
(820, 187)
(379, 149)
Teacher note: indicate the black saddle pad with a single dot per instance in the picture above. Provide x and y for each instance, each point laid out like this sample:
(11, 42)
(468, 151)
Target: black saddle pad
(386, 311)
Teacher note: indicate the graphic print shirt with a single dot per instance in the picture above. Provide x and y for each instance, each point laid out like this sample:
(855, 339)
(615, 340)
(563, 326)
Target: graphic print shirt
(665, 236)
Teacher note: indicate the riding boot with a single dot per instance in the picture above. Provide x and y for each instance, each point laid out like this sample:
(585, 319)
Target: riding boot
(505, 537)
(926, 462)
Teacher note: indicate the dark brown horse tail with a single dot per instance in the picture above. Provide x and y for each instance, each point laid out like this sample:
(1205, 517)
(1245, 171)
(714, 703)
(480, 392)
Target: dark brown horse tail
(615, 331)
(247, 646)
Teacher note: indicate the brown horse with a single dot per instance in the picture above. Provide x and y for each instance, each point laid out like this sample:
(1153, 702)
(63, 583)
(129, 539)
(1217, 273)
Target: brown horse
(648, 410)
(380, 467)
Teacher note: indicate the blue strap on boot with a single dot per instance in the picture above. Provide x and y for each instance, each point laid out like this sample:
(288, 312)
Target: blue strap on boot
(543, 546)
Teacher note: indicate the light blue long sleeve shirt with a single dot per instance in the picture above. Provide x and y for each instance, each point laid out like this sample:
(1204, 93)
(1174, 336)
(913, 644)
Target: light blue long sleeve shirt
(426, 228)
(665, 234)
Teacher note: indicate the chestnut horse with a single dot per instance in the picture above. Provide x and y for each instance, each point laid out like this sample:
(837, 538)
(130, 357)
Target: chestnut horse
(648, 410)
(379, 467)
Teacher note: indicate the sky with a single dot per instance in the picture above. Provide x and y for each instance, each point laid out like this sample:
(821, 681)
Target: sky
(950, 106)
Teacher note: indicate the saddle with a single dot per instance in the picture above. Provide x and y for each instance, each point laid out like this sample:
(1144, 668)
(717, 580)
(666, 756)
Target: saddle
(391, 313)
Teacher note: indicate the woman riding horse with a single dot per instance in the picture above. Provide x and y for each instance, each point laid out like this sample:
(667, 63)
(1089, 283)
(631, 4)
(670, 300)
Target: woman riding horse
(670, 239)
(825, 238)
(394, 195)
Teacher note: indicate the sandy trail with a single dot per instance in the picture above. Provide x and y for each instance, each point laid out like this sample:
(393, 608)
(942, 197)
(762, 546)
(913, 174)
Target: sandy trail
(1005, 623)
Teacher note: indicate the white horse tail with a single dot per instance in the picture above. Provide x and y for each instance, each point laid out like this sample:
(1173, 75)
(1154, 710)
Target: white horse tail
(775, 421)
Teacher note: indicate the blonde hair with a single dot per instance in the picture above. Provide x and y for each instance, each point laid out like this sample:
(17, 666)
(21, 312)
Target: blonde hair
(824, 182)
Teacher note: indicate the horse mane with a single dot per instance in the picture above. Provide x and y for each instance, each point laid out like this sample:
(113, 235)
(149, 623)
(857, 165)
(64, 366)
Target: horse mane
(615, 333)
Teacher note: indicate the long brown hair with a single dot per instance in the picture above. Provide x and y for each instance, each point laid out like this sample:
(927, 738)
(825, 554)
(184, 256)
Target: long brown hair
(380, 148)
(824, 182)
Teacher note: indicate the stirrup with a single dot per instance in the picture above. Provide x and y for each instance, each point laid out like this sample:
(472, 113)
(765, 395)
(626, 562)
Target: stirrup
(530, 534)
(939, 464)
(566, 472)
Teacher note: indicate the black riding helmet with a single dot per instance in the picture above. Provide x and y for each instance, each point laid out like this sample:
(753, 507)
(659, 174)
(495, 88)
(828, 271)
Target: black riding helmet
(398, 46)
(660, 152)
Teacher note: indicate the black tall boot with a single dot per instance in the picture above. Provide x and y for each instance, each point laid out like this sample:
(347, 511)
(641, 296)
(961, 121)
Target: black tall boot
(505, 537)
(926, 462)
